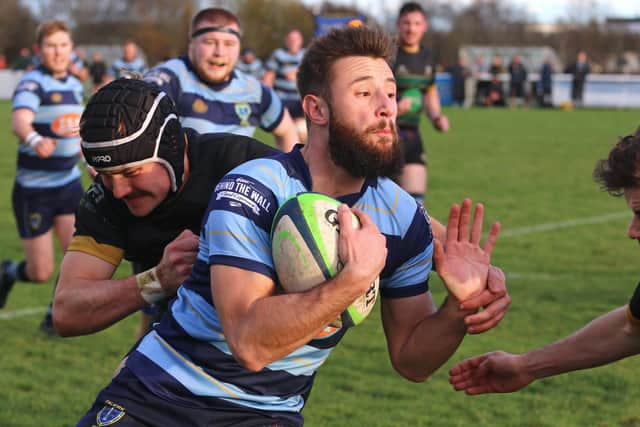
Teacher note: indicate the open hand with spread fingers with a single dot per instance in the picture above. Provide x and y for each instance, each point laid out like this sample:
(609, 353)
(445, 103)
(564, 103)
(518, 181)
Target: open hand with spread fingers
(461, 263)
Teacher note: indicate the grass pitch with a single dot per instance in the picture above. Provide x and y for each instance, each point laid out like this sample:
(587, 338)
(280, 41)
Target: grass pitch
(563, 249)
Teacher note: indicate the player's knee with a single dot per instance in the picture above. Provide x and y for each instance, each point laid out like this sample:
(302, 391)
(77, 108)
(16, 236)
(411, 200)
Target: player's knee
(39, 272)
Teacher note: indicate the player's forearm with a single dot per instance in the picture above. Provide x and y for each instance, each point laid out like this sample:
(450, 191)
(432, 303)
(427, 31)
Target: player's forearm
(268, 78)
(432, 105)
(22, 123)
(82, 306)
(608, 338)
(431, 343)
(277, 325)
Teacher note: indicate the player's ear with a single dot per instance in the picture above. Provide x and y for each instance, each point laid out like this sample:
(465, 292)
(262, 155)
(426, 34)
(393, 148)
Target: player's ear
(316, 109)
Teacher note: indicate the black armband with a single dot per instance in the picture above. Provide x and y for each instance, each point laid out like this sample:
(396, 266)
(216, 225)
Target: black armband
(634, 303)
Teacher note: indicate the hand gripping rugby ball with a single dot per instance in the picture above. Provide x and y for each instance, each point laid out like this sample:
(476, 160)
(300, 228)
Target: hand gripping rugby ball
(304, 245)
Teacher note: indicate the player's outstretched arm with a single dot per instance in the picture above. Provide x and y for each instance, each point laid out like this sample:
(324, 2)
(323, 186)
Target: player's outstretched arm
(87, 300)
(608, 338)
(262, 326)
(419, 337)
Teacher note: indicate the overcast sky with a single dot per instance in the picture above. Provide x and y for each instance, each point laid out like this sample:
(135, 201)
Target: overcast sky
(540, 10)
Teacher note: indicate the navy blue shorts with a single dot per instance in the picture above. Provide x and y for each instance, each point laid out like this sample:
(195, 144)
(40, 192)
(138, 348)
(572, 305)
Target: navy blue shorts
(35, 208)
(126, 402)
(412, 145)
(295, 108)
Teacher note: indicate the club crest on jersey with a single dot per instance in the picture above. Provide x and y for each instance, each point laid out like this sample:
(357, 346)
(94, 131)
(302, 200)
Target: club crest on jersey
(243, 110)
(56, 97)
(199, 106)
(35, 221)
(109, 414)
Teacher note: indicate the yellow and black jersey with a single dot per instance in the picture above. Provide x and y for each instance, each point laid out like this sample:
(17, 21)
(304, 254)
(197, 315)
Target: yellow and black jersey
(107, 230)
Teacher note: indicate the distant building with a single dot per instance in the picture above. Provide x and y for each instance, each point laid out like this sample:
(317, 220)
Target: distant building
(623, 25)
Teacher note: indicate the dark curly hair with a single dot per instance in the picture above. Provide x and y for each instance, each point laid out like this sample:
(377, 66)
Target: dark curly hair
(621, 170)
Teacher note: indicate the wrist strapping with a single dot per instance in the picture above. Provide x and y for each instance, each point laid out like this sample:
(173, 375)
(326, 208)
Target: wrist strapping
(32, 139)
(150, 288)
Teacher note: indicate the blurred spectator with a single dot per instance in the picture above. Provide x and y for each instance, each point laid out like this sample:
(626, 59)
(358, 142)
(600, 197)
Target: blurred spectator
(518, 79)
(545, 84)
(579, 70)
(496, 66)
(459, 74)
(495, 93)
(250, 64)
(23, 59)
(480, 68)
(98, 70)
(130, 61)
(3, 62)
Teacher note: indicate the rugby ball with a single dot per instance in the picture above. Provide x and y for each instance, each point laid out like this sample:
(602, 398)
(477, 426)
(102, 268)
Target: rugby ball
(304, 245)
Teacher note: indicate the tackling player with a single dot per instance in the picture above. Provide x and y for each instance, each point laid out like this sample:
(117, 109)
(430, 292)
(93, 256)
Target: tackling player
(47, 104)
(233, 349)
(610, 337)
(146, 204)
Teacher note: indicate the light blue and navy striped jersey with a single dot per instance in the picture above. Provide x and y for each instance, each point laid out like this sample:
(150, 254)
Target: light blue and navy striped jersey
(281, 62)
(255, 68)
(57, 105)
(236, 106)
(119, 65)
(186, 358)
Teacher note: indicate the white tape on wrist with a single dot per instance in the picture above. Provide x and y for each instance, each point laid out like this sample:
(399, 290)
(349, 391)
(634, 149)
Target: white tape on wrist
(149, 286)
(32, 139)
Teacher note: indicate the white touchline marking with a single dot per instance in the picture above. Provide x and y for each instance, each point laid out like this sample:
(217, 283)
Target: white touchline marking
(8, 315)
(562, 224)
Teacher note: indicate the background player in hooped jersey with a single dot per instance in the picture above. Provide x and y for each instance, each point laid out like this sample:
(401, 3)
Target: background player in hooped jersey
(415, 74)
(131, 61)
(47, 104)
(210, 96)
(280, 74)
(606, 339)
(146, 205)
(233, 350)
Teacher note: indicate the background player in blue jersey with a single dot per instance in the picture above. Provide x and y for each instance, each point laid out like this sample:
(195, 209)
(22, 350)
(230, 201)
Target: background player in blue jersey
(209, 95)
(280, 74)
(131, 61)
(249, 63)
(610, 337)
(415, 72)
(233, 349)
(47, 104)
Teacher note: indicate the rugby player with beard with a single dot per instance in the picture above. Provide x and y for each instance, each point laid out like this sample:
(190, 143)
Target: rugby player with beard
(232, 350)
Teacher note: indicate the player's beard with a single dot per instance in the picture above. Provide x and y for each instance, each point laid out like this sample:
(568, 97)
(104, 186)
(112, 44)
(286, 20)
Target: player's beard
(365, 154)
